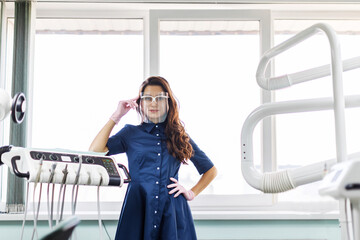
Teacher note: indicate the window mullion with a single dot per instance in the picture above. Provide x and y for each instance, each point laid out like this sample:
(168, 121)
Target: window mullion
(24, 19)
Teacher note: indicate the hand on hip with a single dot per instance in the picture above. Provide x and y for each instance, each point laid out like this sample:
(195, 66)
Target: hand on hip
(178, 189)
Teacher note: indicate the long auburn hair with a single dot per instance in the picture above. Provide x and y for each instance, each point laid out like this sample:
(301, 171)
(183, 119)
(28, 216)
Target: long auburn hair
(177, 140)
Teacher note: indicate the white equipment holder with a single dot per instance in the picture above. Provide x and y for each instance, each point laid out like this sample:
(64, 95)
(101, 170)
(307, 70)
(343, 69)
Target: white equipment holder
(343, 182)
(58, 167)
(95, 170)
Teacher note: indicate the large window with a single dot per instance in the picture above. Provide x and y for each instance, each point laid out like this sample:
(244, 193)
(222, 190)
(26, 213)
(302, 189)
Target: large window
(86, 62)
(83, 67)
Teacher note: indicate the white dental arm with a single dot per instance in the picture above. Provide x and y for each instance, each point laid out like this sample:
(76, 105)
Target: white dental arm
(17, 106)
(287, 80)
(5, 104)
(335, 68)
(284, 180)
(336, 71)
(288, 179)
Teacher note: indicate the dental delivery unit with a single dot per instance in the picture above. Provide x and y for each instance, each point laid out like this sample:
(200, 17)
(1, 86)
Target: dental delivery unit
(40, 166)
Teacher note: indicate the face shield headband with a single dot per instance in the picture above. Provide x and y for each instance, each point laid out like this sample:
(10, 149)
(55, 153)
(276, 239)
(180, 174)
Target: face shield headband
(154, 109)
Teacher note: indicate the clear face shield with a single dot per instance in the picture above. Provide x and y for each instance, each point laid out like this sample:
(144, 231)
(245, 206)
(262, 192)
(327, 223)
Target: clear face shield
(154, 109)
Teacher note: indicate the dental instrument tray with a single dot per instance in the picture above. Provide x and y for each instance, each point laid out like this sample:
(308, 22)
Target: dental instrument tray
(51, 166)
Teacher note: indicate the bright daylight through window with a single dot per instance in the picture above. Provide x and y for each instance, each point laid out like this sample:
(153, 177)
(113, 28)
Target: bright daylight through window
(213, 84)
(216, 83)
(83, 68)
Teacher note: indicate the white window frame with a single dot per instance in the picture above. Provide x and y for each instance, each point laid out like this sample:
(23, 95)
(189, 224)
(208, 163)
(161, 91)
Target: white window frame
(151, 19)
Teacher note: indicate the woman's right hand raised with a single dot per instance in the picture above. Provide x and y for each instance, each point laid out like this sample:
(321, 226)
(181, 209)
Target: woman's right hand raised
(123, 107)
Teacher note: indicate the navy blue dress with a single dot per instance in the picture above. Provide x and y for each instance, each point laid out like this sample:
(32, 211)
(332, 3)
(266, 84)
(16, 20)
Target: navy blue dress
(149, 211)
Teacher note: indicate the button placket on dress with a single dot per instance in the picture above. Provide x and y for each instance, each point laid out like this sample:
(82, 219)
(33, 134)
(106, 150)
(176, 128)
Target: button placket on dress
(157, 174)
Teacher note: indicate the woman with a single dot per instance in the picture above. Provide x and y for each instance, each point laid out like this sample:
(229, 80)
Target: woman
(155, 205)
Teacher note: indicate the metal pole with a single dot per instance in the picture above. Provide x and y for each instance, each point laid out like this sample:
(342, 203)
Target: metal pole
(21, 79)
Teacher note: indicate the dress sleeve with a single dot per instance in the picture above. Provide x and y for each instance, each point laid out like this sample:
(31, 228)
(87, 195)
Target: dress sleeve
(117, 143)
(200, 160)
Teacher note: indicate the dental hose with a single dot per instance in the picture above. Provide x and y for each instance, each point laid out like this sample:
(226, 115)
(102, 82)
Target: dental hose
(37, 213)
(75, 191)
(26, 209)
(62, 203)
(36, 210)
(48, 205)
(65, 172)
(52, 204)
(75, 188)
(98, 208)
(50, 209)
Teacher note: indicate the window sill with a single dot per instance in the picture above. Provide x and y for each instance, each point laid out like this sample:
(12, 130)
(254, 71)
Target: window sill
(263, 215)
(207, 208)
(197, 215)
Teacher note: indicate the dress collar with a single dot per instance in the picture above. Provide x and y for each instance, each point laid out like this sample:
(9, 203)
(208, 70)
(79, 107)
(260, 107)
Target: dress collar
(149, 126)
